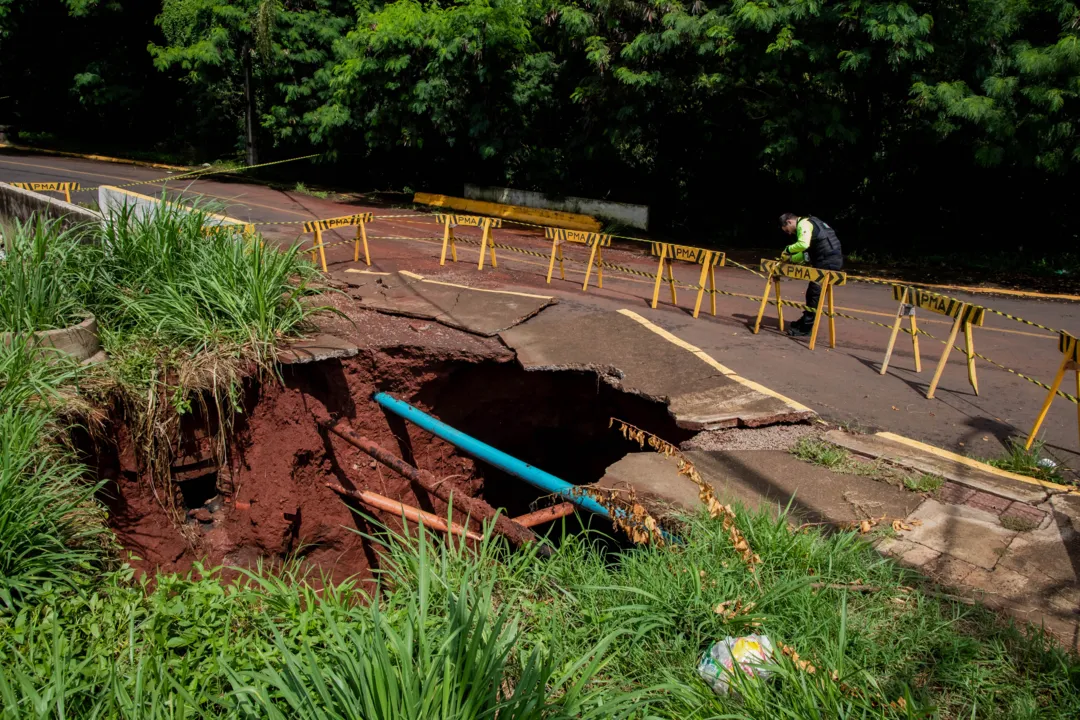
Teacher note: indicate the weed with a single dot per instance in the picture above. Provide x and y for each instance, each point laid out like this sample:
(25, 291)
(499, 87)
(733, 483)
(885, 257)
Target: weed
(37, 277)
(925, 482)
(305, 190)
(1022, 461)
(1018, 523)
(819, 452)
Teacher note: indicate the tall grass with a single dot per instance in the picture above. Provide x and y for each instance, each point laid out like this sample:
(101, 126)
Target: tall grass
(38, 280)
(165, 281)
(52, 534)
(485, 633)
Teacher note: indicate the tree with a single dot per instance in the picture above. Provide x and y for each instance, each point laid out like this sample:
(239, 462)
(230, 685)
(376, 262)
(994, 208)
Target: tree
(246, 51)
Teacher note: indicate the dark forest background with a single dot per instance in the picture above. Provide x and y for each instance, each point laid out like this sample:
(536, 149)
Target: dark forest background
(913, 127)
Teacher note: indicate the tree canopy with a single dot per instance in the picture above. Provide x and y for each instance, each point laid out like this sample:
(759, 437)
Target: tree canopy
(876, 114)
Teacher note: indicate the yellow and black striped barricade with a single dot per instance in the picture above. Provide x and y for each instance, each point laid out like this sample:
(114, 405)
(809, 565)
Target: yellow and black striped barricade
(1070, 360)
(708, 259)
(487, 242)
(595, 241)
(828, 279)
(965, 316)
(58, 187)
(318, 227)
(906, 309)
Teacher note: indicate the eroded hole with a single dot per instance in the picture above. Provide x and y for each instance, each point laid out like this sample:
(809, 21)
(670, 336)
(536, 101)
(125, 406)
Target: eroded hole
(279, 461)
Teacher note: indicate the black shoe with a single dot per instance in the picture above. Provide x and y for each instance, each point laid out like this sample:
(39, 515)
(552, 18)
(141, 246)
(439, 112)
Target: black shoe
(798, 331)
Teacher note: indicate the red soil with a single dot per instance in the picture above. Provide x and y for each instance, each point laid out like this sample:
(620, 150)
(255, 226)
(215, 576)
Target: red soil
(280, 461)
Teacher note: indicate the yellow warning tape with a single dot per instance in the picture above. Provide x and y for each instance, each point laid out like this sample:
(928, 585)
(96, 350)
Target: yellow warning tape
(207, 171)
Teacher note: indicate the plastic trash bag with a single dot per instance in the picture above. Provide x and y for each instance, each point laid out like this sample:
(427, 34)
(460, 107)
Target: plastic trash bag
(750, 653)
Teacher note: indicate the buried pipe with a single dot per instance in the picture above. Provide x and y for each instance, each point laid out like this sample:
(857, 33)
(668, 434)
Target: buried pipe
(547, 514)
(381, 502)
(476, 508)
(497, 458)
(508, 463)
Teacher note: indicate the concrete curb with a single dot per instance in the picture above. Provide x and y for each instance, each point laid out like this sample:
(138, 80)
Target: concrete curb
(22, 204)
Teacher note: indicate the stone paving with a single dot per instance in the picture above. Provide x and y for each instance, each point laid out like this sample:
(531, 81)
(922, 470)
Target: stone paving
(1033, 574)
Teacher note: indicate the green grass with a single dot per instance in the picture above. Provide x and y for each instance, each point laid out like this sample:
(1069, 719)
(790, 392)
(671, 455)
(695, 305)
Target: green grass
(1022, 461)
(817, 451)
(480, 633)
(52, 534)
(163, 280)
(924, 482)
(305, 190)
(38, 277)
(820, 452)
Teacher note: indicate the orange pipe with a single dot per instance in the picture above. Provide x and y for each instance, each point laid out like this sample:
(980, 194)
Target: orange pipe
(542, 516)
(417, 515)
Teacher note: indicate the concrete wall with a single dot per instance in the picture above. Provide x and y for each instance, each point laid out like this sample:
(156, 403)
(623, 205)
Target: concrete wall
(112, 200)
(21, 204)
(636, 216)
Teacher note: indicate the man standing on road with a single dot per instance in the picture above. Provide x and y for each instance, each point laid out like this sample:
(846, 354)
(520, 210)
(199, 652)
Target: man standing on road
(815, 244)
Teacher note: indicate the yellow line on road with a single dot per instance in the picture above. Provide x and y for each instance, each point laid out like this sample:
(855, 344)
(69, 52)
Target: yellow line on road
(708, 359)
(67, 170)
(953, 457)
(421, 278)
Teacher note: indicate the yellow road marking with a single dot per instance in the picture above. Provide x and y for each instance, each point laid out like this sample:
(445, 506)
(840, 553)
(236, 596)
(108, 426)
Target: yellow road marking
(66, 170)
(365, 272)
(131, 179)
(469, 287)
(708, 359)
(97, 158)
(953, 457)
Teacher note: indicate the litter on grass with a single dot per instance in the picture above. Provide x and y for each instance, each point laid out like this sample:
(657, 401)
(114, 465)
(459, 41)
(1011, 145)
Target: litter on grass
(752, 653)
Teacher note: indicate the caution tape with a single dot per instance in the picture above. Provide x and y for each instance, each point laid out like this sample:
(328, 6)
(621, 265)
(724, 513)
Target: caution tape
(1044, 386)
(207, 171)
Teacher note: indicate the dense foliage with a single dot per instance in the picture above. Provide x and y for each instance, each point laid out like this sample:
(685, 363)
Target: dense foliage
(892, 119)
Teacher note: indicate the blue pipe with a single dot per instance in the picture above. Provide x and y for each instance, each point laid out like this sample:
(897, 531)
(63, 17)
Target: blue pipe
(497, 458)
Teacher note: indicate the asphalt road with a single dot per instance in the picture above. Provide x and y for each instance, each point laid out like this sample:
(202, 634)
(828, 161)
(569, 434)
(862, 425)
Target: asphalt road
(843, 384)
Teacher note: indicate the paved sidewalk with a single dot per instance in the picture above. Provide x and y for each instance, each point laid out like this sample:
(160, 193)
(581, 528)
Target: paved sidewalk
(1033, 574)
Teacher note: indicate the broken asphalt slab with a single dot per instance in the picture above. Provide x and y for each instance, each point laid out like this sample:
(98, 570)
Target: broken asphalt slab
(771, 479)
(635, 359)
(475, 310)
(315, 349)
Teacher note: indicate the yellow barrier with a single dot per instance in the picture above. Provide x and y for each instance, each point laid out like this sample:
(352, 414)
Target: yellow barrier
(65, 187)
(964, 315)
(1070, 351)
(358, 220)
(905, 310)
(708, 259)
(487, 242)
(592, 240)
(554, 218)
(827, 278)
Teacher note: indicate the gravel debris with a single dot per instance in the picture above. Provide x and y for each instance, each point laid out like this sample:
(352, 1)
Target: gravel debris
(771, 437)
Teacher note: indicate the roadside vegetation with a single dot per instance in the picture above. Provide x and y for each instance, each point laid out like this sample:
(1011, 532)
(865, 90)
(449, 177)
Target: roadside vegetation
(1021, 460)
(821, 452)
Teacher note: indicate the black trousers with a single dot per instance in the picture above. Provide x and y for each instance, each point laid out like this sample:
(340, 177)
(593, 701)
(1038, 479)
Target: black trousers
(813, 290)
